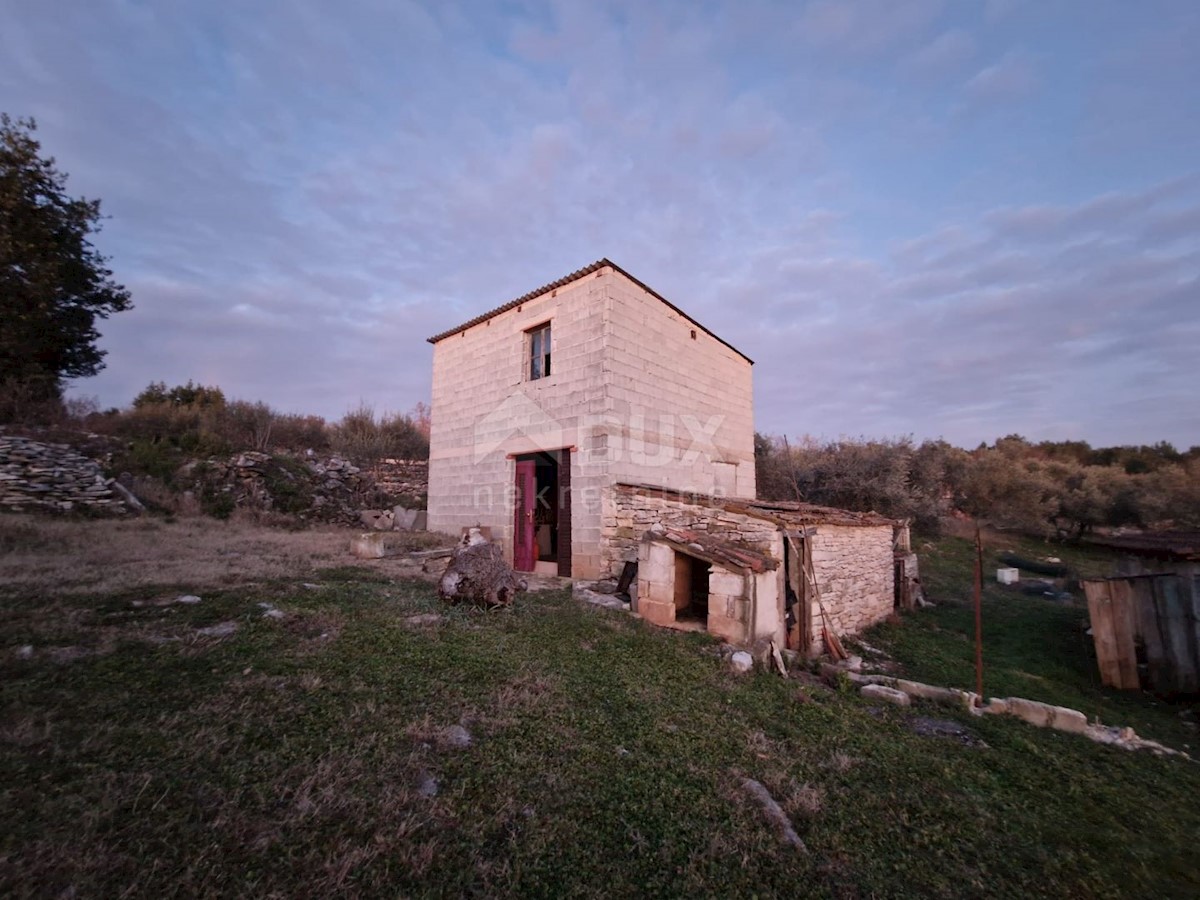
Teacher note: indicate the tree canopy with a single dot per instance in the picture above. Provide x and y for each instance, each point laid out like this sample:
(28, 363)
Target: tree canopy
(54, 284)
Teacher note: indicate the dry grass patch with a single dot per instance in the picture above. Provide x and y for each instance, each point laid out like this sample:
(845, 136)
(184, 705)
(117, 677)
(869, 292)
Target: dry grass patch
(106, 556)
(842, 762)
(69, 556)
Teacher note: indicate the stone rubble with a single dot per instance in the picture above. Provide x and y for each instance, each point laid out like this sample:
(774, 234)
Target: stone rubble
(588, 593)
(886, 694)
(1043, 715)
(40, 475)
(332, 488)
(741, 661)
(426, 785)
(43, 476)
(456, 736)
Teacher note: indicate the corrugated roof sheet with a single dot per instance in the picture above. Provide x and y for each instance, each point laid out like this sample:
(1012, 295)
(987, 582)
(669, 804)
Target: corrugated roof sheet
(574, 276)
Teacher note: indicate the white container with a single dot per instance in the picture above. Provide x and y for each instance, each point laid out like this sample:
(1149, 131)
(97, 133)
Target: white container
(1008, 576)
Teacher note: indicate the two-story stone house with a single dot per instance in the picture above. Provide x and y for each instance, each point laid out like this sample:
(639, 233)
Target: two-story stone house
(591, 423)
(543, 404)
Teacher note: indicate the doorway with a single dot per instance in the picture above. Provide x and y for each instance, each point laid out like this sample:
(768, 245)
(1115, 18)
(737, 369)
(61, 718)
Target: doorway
(691, 589)
(542, 513)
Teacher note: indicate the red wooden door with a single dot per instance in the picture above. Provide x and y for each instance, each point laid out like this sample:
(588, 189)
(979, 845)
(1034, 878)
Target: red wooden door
(524, 548)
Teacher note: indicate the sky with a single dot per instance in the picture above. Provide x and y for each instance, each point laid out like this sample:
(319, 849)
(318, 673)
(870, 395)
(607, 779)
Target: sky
(952, 219)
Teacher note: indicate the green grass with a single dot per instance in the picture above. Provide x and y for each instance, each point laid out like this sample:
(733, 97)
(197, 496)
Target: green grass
(1033, 646)
(285, 760)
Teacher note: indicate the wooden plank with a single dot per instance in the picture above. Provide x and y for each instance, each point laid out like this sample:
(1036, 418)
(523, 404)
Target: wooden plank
(1150, 632)
(564, 513)
(1103, 636)
(797, 573)
(804, 563)
(1120, 593)
(1176, 622)
(793, 594)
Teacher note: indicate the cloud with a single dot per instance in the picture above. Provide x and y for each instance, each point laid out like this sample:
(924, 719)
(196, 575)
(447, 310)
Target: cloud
(866, 26)
(946, 53)
(1013, 78)
(995, 11)
(298, 199)
(1027, 317)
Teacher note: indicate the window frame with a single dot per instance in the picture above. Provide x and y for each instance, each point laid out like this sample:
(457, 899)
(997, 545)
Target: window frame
(539, 346)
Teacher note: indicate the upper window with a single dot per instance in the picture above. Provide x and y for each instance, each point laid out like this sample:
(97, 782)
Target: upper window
(539, 352)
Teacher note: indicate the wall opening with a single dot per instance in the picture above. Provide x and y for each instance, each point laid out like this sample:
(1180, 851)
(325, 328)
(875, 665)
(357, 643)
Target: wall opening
(691, 589)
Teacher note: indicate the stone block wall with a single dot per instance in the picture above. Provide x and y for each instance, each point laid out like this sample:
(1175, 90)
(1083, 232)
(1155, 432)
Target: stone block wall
(485, 410)
(679, 403)
(854, 571)
(404, 479)
(36, 475)
(728, 604)
(656, 583)
(638, 391)
(629, 512)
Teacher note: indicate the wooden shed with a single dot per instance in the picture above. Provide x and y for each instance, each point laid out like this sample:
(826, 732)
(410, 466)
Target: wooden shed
(1146, 621)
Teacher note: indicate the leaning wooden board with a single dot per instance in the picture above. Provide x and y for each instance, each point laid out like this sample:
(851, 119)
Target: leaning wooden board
(1125, 629)
(1116, 654)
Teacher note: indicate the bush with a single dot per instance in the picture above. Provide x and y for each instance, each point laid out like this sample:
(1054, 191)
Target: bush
(1064, 489)
(192, 395)
(299, 433)
(364, 439)
(891, 477)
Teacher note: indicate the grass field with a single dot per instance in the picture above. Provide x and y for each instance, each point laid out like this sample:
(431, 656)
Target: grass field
(318, 753)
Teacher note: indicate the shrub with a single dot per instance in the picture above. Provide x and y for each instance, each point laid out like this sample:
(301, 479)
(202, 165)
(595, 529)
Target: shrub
(362, 438)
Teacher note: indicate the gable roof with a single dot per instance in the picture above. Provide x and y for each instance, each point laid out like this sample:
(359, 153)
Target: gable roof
(567, 279)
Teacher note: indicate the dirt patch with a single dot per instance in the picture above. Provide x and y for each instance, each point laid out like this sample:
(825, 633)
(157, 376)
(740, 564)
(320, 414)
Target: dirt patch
(945, 728)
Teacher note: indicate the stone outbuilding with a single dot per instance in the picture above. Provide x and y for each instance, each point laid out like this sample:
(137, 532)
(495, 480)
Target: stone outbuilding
(752, 570)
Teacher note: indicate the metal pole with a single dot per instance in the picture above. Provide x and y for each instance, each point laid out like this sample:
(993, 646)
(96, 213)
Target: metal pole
(978, 614)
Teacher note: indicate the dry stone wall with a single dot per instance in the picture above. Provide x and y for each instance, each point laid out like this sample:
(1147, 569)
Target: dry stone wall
(45, 475)
(38, 475)
(330, 489)
(404, 479)
(854, 571)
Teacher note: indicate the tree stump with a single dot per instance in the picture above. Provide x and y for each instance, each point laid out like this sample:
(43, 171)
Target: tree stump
(478, 574)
